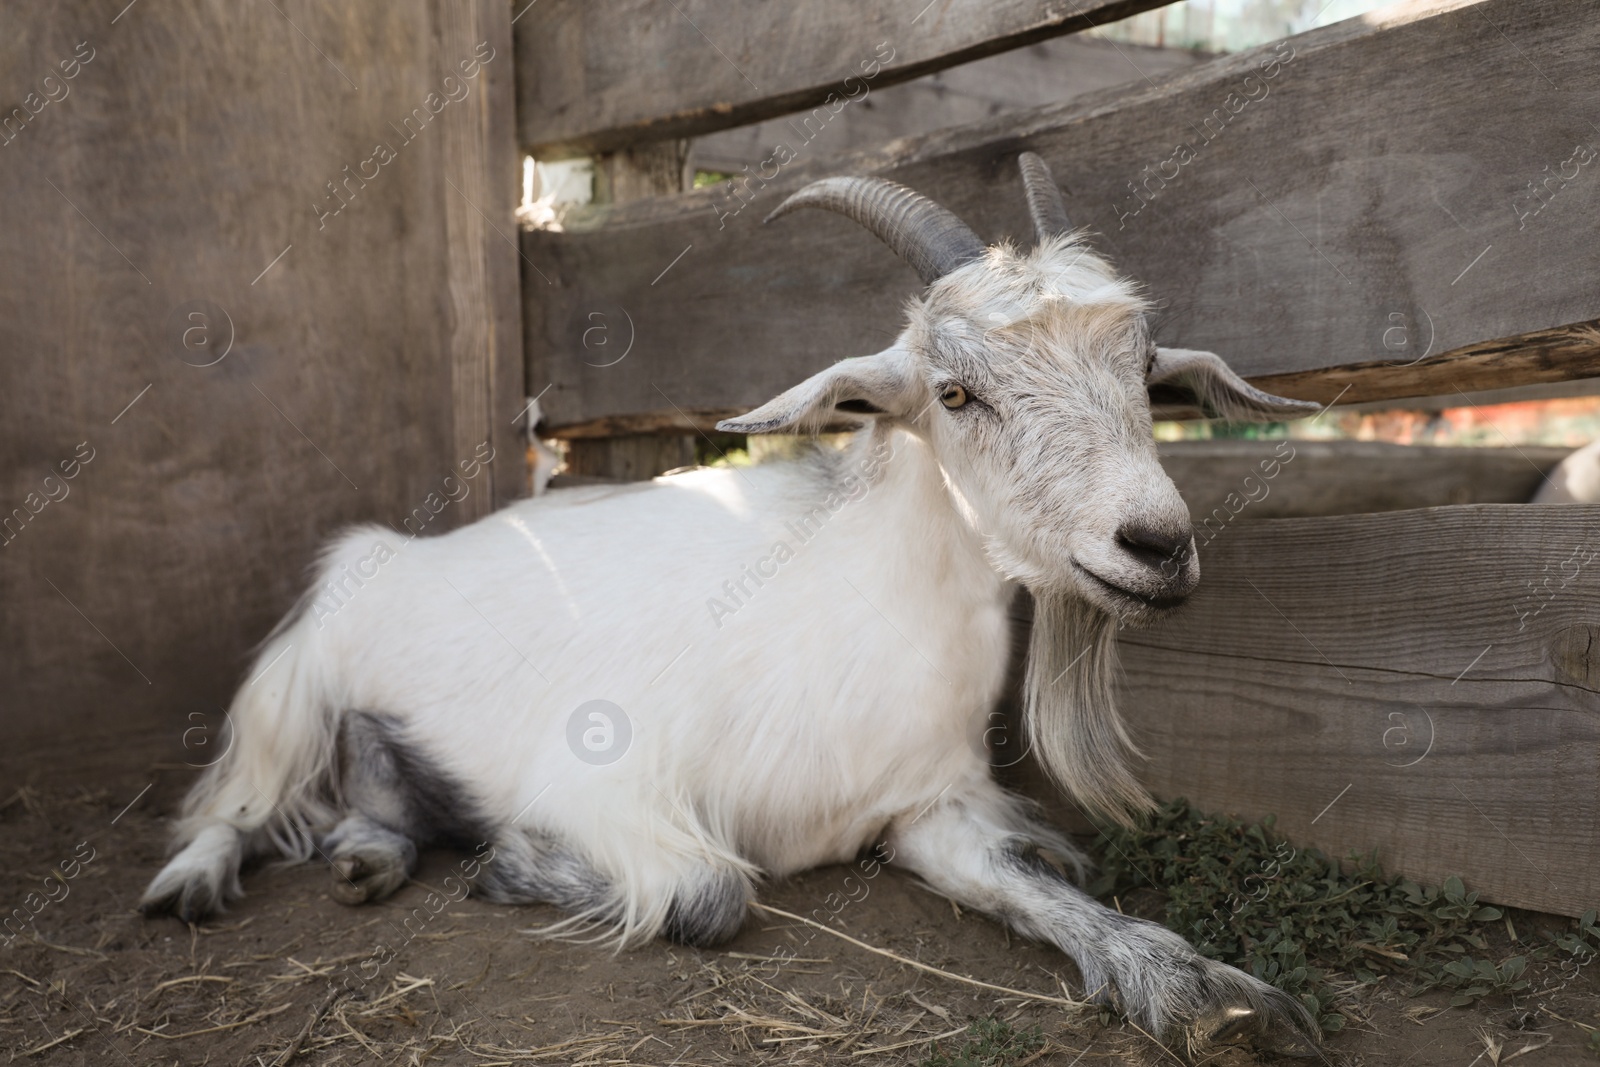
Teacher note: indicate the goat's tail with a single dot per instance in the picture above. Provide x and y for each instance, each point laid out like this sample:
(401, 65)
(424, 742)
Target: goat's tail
(275, 783)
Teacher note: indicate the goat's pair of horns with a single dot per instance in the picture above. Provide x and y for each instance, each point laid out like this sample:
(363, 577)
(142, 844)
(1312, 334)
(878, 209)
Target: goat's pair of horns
(928, 237)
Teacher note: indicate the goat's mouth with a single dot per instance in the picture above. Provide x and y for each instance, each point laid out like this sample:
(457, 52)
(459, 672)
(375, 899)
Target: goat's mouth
(1130, 601)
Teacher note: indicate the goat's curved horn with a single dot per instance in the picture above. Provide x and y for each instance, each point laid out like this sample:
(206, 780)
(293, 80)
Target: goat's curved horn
(928, 237)
(1044, 198)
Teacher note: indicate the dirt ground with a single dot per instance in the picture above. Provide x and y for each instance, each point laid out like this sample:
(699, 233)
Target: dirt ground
(289, 974)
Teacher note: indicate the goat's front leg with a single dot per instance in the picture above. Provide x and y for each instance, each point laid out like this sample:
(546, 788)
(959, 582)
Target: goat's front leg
(982, 849)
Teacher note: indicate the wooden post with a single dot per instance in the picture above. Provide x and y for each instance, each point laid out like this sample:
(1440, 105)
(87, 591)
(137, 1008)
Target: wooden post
(353, 328)
(629, 458)
(636, 173)
(643, 171)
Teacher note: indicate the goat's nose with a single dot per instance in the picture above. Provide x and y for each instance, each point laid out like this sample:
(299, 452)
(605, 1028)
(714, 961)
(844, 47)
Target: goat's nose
(1154, 546)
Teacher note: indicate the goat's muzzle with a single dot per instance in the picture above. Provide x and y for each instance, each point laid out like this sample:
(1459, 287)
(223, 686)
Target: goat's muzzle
(1152, 570)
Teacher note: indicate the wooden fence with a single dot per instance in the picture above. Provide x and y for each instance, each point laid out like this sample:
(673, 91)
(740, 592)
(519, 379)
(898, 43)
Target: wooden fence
(1396, 206)
(1364, 228)
(1400, 205)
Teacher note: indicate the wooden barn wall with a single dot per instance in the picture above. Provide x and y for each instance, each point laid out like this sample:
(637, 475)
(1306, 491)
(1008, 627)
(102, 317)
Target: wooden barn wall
(1398, 203)
(243, 304)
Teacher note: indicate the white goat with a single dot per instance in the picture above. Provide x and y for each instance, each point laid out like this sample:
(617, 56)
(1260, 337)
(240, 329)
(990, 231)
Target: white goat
(804, 652)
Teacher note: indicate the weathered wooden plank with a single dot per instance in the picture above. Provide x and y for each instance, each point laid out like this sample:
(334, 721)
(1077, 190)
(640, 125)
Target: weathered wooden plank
(1309, 478)
(628, 458)
(1560, 354)
(1048, 72)
(1426, 683)
(1517, 394)
(502, 258)
(481, 179)
(1433, 675)
(209, 152)
(656, 169)
(1499, 371)
(1341, 217)
(1478, 374)
(596, 75)
(660, 168)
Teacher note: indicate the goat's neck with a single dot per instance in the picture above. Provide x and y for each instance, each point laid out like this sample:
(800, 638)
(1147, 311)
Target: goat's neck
(1071, 710)
(911, 502)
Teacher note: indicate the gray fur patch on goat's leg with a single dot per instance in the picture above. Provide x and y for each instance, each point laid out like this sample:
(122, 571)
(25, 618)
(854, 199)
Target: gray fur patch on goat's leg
(394, 783)
(980, 849)
(528, 867)
(395, 798)
(708, 912)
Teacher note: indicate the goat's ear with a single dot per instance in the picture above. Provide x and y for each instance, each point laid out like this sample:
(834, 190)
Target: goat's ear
(1202, 378)
(852, 390)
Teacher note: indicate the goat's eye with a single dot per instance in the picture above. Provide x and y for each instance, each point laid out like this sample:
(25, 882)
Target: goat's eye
(953, 397)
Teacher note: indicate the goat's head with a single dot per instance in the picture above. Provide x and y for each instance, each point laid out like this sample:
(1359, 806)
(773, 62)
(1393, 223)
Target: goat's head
(1028, 374)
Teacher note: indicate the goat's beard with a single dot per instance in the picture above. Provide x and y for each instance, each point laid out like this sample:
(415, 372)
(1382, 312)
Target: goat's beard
(1071, 710)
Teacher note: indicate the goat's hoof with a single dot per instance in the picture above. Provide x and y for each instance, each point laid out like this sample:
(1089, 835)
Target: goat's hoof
(362, 876)
(199, 881)
(191, 903)
(1183, 999)
(1233, 1025)
(1267, 1030)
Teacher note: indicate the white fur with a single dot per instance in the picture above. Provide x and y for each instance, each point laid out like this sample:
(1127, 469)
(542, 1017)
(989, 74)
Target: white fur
(752, 742)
